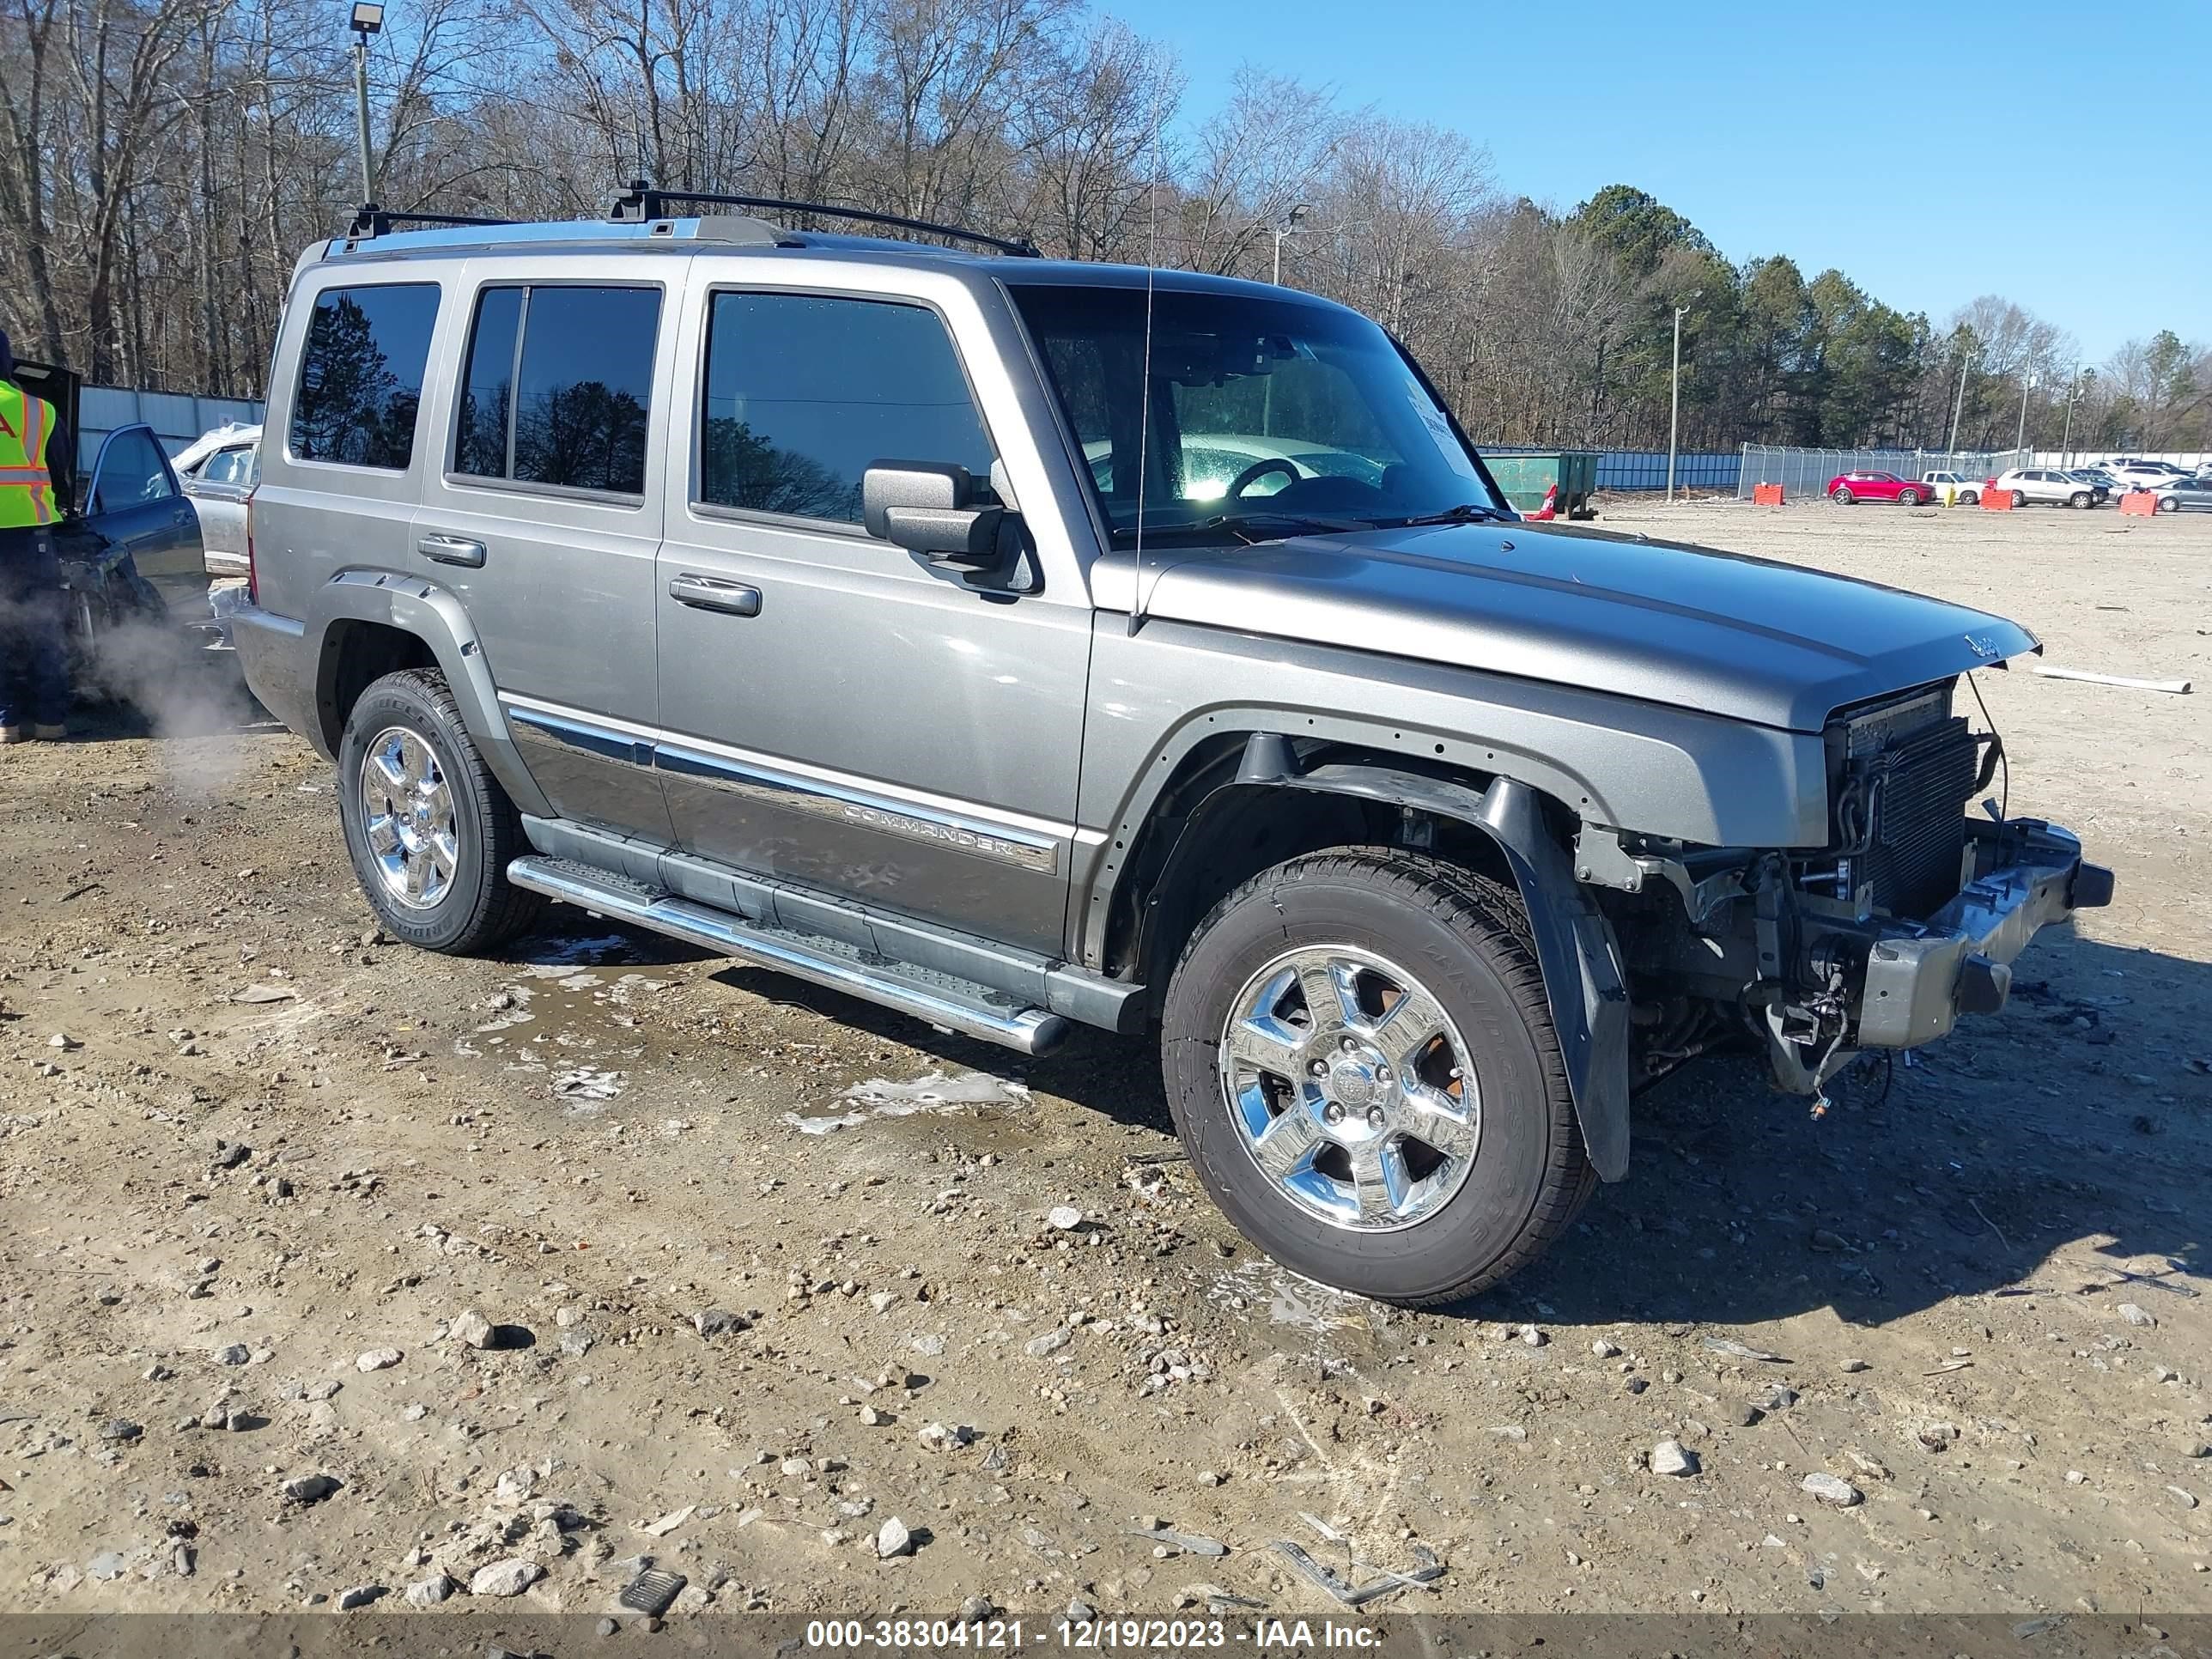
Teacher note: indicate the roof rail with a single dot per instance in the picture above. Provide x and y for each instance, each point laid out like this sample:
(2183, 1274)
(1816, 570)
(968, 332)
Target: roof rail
(373, 221)
(639, 201)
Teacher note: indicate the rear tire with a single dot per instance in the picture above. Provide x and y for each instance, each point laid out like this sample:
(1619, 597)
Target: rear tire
(1391, 933)
(2169, 504)
(429, 829)
(1840, 496)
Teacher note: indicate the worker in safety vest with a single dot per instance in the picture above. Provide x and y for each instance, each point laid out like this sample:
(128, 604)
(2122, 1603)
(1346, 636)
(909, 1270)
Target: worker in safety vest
(33, 670)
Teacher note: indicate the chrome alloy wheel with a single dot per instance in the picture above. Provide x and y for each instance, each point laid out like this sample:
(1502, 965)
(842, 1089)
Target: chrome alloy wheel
(1351, 1089)
(407, 820)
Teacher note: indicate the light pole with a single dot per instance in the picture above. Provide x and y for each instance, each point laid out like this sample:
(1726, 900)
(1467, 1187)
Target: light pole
(2026, 386)
(1674, 411)
(1959, 406)
(2073, 397)
(1288, 226)
(368, 20)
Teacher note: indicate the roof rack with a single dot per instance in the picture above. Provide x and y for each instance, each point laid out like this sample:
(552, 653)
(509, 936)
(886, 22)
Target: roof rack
(639, 201)
(373, 221)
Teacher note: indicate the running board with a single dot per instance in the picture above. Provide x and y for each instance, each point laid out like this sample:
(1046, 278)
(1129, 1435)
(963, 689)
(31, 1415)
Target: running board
(955, 1004)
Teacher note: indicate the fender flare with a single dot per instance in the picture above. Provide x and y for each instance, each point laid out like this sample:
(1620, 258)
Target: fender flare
(1584, 981)
(436, 616)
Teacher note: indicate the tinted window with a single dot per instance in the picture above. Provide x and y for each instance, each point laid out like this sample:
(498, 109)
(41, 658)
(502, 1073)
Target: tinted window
(130, 473)
(804, 394)
(570, 408)
(483, 420)
(361, 374)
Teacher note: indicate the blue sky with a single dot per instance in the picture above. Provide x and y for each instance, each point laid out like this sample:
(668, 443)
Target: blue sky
(1864, 138)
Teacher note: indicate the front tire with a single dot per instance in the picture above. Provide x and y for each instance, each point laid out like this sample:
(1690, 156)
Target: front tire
(1362, 1063)
(2080, 499)
(1970, 498)
(1908, 498)
(2020, 498)
(429, 829)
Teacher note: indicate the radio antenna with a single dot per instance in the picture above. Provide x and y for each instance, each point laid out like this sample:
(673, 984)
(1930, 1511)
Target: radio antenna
(1145, 377)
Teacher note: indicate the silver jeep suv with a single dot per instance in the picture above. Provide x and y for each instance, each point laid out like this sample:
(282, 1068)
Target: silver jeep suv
(1015, 643)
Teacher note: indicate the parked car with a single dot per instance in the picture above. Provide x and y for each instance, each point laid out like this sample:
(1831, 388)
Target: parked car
(760, 588)
(218, 471)
(2143, 475)
(2100, 485)
(2045, 486)
(2179, 493)
(1848, 488)
(129, 545)
(1965, 491)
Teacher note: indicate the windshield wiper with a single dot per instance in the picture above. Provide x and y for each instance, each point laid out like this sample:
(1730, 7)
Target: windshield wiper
(1465, 513)
(1251, 527)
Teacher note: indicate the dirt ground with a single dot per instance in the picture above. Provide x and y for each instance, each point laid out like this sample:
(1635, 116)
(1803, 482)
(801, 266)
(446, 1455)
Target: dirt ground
(765, 1270)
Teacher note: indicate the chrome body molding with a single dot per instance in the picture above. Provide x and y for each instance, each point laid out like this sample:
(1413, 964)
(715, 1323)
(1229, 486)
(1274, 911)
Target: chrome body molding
(1035, 845)
(907, 819)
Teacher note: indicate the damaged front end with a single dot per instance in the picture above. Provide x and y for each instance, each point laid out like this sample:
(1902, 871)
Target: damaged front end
(1909, 917)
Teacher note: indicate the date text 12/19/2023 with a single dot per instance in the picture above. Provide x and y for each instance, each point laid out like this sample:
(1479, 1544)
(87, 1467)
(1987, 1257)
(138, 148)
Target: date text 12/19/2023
(1108, 1634)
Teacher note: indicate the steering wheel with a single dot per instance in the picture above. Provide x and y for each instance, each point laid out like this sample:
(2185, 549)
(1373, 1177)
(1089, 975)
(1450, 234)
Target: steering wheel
(1259, 470)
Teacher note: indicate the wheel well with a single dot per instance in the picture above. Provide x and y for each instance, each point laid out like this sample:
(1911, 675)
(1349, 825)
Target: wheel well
(1209, 833)
(355, 655)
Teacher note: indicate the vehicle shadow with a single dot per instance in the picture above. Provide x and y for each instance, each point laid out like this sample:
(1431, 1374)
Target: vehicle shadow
(2036, 1152)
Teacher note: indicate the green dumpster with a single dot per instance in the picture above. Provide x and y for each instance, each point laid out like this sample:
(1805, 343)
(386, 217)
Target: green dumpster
(1526, 478)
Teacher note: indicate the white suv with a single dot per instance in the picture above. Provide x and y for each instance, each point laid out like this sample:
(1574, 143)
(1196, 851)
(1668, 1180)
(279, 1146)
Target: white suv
(2143, 475)
(2044, 487)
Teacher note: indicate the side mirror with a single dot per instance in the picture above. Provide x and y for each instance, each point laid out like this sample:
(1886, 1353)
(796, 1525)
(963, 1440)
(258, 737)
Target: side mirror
(923, 507)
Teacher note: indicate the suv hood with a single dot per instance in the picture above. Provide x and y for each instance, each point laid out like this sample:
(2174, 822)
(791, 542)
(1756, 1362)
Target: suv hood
(1664, 622)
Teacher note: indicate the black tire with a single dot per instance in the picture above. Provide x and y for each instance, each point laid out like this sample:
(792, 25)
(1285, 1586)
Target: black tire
(1465, 938)
(2020, 498)
(1840, 496)
(477, 909)
(2169, 504)
(2080, 499)
(1970, 498)
(1908, 498)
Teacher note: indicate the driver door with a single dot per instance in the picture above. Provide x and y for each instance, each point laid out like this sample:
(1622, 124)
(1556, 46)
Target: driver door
(133, 502)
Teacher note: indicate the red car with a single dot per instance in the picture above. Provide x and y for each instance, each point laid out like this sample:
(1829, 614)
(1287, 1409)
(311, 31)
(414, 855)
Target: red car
(1849, 487)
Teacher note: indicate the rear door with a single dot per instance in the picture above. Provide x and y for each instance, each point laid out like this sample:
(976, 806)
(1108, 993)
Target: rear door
(544, 515)
(132, 501)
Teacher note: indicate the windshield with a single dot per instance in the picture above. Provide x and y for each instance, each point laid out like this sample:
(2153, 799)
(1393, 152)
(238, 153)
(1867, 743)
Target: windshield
(1261, 411)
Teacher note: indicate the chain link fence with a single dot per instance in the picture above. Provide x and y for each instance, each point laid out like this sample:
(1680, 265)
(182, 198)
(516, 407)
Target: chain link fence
(1803, 474)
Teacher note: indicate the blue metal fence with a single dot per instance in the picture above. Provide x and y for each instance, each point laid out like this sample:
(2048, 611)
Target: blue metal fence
(1646, 469)
(177, 417)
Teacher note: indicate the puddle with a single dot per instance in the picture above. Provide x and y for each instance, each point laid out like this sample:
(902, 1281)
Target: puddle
(514, 1013)
(586, 1089)
(936, 1093)
(1288, 1299)
(558, 959)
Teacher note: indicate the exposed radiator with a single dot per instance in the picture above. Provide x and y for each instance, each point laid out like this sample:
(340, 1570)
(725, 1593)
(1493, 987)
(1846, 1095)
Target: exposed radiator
(1919, 789)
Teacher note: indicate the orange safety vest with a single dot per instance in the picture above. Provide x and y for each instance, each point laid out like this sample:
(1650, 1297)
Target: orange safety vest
(27, 488)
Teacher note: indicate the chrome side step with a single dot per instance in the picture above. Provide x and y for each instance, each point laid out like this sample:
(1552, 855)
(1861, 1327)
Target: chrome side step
(951, 1004)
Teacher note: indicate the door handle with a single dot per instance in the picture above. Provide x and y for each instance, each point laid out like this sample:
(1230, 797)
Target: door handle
(451, 550)
(712, 593)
